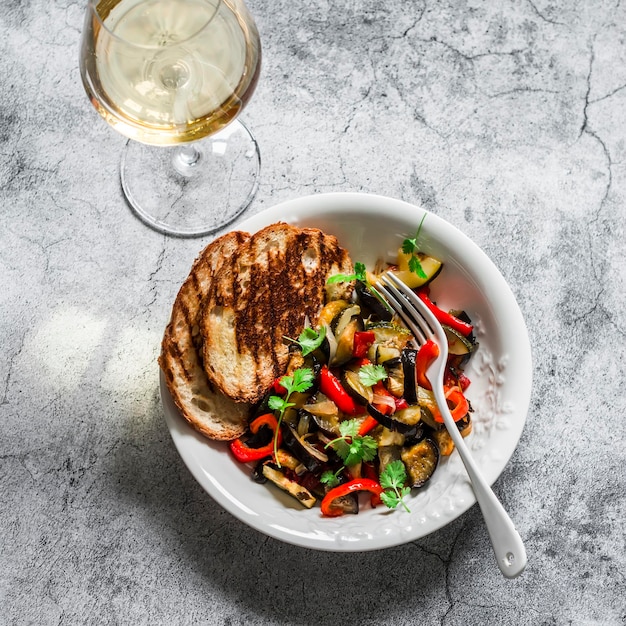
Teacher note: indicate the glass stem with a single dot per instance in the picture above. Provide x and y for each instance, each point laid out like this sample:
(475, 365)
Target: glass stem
(186, 159)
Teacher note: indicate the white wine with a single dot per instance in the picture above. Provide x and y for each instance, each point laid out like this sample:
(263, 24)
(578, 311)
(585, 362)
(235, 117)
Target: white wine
(171, 71)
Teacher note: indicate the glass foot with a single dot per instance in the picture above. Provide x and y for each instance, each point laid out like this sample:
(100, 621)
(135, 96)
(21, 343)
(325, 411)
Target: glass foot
(194, 189)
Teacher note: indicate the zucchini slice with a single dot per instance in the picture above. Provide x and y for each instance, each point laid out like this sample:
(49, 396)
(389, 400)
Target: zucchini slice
(430, 266)
(457, 343)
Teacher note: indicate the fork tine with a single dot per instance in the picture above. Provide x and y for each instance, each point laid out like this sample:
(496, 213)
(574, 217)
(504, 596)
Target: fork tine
(394, 297)
(421, 310)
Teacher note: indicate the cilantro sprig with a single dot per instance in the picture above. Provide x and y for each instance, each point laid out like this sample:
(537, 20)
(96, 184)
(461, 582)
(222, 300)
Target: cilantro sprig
(410, 246)
(392, 480)
(370, 374)
(360, 273)
(351, 448)
(299, 381)
(310, 339)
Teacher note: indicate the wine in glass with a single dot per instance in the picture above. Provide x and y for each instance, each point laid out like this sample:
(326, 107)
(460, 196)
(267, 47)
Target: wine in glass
(172, 76)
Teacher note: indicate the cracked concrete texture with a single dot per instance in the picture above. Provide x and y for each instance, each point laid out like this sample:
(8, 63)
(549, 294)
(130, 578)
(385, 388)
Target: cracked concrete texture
(504, 118)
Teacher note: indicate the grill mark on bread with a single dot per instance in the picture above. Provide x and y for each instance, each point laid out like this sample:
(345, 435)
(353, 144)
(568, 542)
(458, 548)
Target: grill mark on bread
(263, 293)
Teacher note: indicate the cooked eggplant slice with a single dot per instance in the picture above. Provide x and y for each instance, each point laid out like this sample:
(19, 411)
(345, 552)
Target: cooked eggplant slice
(304, 451)
(395, 377)
(465, 425)
(349, 504)
(345, 341)
(385, 437)
(331, 311)
(389, 421)
(382, 354)
(420, 461)
(421, 432)
(372, 303)
(408, 356)
(410, 416)
(444, 442)
(353, 385)
(257, 474)
(429, 420)
(347, 315)
(300, 493)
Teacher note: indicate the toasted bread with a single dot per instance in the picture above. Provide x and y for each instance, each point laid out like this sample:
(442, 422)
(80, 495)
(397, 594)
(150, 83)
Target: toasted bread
(205, 408)
(263, 293)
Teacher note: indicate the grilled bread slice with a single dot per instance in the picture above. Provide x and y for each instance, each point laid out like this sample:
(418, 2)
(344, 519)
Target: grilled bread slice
(205, 408)
(263, 293)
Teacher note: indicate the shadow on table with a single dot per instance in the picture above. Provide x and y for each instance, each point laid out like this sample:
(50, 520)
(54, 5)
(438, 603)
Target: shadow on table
(265, 578)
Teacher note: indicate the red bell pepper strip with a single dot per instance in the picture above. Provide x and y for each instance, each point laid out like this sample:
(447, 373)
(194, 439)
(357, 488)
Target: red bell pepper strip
(367, 425)
(443, 317)
(363, 339)
(425, 356)
(332, 388)
(278, 388)
(460, 405)
(244, 454)
(464, 382)
(379, 389)
(401, 403)
(357, 484)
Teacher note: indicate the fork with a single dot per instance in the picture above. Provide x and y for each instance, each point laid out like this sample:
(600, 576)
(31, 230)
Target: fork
(507, 544)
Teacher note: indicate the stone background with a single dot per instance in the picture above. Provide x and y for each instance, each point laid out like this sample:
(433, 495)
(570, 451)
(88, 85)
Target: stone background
(505, 118)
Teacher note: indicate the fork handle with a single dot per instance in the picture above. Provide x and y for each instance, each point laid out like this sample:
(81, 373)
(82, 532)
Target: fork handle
(507, 544)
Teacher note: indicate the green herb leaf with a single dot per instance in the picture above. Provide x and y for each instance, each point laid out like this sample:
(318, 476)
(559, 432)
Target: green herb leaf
(276, 403)
(349, 428)
(410, 246)
(369, 375)
(360, 273)
(330, 478)
(352, 448)
(299, 381)
(392, 479)
(311, 339)
(416, 267)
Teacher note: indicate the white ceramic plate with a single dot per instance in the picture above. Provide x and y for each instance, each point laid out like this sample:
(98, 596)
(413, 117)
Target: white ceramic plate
(371, 227)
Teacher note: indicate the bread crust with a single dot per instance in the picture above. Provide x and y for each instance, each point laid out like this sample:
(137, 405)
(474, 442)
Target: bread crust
(264, 292)
(204, 407)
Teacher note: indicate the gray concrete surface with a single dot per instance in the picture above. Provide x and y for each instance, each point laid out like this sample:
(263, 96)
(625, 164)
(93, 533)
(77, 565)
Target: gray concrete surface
(507, 119)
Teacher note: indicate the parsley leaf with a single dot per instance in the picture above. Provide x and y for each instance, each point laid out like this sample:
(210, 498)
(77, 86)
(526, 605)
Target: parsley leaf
(299, 381)
(276, 403)
(352, 448)
(409, 246)
(330, 478)
(370, 374)
(416, 267)
(360, 273)
(311, 339)
(349, 428)
(392, 480)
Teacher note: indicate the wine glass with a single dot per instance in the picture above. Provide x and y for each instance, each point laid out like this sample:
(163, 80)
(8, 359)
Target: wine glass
(172, 76)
